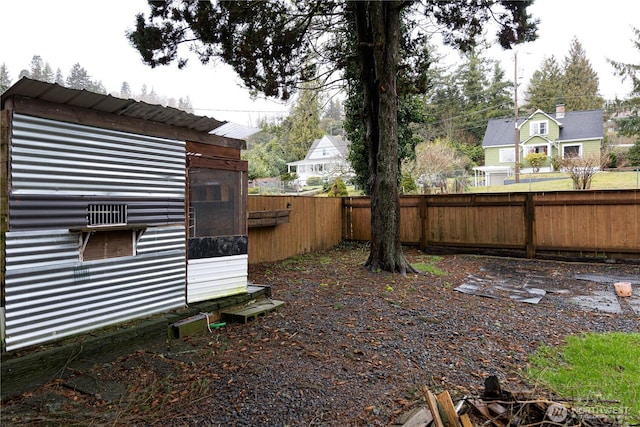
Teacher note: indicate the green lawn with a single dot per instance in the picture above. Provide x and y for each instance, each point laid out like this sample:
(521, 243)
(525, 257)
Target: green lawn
(561, 181)
(597, 371)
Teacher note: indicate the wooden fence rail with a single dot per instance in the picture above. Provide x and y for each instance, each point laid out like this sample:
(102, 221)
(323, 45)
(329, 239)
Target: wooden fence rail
(569, 224)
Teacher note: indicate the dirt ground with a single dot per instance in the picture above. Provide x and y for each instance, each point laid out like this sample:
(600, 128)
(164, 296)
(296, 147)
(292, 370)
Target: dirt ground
(350, 347)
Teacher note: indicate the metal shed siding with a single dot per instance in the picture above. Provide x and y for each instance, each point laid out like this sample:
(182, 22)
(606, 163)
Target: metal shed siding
(59, 158)
(49, 294)
(211, 278)
(55, 211)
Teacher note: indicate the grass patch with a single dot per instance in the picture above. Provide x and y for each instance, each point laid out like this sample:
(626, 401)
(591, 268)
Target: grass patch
(596, 368)
(429, 268)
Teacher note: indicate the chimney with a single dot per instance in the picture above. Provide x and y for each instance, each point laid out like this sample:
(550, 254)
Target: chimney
(560, 111)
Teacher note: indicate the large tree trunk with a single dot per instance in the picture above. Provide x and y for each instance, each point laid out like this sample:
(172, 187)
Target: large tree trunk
(378, 26)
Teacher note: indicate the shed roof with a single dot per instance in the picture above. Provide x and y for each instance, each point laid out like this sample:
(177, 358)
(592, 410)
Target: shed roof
(53, 92)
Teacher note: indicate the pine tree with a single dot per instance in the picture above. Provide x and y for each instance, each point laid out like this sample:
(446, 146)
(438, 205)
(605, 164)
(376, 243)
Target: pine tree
(185, 104)
(305, 122)
(630, 126)
(545, 89)
(36, 71)
(580, 81)
(125, 90)
(78, 78)
(59, 77)
(5, 80)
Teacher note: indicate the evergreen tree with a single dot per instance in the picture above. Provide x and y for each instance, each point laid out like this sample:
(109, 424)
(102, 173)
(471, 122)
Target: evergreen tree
(36, 71)
(332, 123)
(59, 77)
(47, 74)
(78, 78)
(462, 102)
(305, 122)
(5, 80)
(630, 126)
(545, 88)
(184, 104)
(580, 81)
(125, 90)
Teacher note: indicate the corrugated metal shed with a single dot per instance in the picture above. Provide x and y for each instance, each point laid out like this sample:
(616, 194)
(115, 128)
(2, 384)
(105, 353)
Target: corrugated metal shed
(55, 93)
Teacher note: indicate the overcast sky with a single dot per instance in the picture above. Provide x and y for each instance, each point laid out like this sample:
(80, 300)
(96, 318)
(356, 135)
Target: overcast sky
(92, 33)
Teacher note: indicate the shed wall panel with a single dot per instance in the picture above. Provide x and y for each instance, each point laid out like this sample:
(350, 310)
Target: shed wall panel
(28, 212)
(54, 157)
(50, 294)
(211, 278)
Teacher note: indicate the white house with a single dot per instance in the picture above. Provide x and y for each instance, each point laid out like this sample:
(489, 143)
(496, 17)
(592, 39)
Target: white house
(326, 158)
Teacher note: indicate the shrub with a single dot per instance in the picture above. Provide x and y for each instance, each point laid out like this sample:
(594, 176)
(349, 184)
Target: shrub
(582, 169)
(338, 188)
(612, 160)
(408, 185)
(289, 176)
(536, 160)
(314, 181)
(634, 154)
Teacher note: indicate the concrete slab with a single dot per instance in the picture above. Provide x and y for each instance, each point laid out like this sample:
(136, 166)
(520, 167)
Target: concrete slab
(605, 301)
(110, 391)
(634, 300)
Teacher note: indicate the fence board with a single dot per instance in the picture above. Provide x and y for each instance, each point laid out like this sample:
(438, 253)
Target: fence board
(315, 224)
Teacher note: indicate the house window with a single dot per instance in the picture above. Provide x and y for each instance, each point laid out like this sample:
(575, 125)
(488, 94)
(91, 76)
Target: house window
(507, 155)
(539, 128)
(572, 151)
(537, 149)
(325, 152)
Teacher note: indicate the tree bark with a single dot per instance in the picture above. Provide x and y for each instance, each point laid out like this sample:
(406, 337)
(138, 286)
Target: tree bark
(378, 28)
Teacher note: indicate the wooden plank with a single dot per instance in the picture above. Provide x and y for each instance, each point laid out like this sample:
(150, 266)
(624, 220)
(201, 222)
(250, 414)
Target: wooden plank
(447, 405)
(419, 417)
(251, 312)
(432, 402)
(465, 420)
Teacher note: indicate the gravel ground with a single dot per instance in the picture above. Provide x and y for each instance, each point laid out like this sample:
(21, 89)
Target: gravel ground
(349, 347)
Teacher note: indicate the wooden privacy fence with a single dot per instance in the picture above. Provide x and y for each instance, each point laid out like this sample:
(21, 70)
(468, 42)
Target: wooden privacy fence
(568, 224)
(312, 224)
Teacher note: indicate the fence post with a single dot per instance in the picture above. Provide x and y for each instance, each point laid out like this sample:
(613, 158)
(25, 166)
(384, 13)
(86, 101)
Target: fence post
(530, 219)
(346, 220)
(422, 211)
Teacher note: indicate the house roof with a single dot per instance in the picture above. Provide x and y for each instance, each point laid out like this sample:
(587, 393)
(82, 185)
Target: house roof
(575, 125)
(53, 92)
(341, 145)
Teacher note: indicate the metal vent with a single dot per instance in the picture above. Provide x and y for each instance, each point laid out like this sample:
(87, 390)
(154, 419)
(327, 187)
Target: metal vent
(106, 214)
